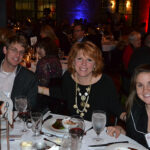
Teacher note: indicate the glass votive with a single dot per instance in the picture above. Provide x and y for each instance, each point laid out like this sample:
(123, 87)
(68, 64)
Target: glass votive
(40, 146)
(26, 145)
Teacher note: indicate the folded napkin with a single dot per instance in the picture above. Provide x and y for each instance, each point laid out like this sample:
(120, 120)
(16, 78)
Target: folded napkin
(7, 107)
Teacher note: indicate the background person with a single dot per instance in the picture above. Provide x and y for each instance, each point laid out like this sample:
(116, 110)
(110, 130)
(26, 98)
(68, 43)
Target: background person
(140, 56)
(47, 31)
(79, 33)
(49, 72)
(48, 67)
(134, 42)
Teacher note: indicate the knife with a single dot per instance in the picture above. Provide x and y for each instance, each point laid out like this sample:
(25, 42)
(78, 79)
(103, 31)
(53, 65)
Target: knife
(48, 117)
(108, 144)
(51, 141)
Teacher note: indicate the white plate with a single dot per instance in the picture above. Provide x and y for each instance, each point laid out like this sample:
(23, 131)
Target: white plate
(124, 146)
(48, 126)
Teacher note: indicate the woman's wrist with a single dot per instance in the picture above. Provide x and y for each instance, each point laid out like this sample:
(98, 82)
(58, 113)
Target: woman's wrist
(43, 90)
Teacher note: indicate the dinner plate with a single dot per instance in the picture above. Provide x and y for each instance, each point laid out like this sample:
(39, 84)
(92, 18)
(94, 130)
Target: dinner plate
(48, 126)
(124, 146)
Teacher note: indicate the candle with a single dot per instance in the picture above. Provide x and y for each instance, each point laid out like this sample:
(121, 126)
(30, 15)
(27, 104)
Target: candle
(26, 145)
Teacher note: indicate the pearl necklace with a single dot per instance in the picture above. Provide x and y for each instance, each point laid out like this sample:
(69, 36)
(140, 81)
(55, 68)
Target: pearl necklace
(84, 100)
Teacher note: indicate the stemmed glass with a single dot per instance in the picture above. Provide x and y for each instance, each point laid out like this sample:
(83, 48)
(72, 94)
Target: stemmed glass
(36, 119)
(21, 107)
(98, 122)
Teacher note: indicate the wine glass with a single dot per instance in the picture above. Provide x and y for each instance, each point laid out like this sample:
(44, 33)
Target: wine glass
(36, 119)
(21, 107)
(98, 122)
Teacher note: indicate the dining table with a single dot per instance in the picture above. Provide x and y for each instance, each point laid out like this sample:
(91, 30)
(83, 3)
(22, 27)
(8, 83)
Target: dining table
(33, 63)
(107, 47)
(16, 136)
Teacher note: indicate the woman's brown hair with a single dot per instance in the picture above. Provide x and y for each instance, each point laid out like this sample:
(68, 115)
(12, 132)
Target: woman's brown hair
(132, 96)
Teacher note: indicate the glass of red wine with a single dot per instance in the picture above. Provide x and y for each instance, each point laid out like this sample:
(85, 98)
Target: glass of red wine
(77, 133)
(75, 130)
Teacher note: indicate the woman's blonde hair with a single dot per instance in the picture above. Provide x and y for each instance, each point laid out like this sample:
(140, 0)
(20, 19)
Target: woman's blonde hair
(88, 49)
(49, 32)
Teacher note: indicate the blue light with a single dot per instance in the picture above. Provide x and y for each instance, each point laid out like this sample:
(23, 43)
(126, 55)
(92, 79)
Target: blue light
(81, 10)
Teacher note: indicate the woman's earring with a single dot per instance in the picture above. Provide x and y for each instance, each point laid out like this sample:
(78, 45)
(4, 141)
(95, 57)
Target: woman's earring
(94, 68)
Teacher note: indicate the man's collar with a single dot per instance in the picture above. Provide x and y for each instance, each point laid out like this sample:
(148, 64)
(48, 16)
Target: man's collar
(79, 40)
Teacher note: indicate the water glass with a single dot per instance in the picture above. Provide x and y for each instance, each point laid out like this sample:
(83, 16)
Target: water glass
(71, 142)
(36, 119)
(66, 142)
(21, 106)
(98, 122)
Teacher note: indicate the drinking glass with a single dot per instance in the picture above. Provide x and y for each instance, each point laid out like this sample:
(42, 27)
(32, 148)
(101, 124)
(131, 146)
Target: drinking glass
(21, 107)
(36, 119)
(76, 133)
(73, 139)
(98, 122)
(66, 142)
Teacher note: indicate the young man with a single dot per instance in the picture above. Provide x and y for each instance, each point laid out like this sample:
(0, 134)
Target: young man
(16, 80)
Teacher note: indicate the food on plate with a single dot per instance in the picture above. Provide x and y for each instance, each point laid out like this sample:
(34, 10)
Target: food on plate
(58, 124)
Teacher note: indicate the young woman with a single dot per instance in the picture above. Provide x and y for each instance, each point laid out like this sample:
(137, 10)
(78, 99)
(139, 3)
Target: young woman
(138, 105)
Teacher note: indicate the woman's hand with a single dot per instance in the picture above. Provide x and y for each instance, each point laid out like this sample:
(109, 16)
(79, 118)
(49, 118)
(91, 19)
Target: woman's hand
(115, 131)
(123, 116)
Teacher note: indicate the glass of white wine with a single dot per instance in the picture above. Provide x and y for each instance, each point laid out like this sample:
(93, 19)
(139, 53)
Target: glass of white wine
(98, 122)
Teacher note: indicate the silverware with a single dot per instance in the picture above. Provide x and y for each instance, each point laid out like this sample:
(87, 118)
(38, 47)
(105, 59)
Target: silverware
(48, 117)
(51, 141)
(88, 130)
(48, 134)
(98, 145)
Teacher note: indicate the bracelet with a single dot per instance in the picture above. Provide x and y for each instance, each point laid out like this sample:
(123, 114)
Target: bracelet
(42, 91)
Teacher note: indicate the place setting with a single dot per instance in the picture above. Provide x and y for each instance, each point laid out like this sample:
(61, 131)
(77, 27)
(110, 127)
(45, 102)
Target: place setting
(48, 131)
(62, 130)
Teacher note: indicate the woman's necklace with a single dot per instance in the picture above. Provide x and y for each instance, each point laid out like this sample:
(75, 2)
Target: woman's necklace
(84, 100)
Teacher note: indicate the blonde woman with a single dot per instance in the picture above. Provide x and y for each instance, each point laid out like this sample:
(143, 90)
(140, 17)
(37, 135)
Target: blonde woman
(47, 31)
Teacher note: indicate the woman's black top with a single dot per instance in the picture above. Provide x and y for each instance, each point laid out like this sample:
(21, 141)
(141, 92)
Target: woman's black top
(103, 96)
(136, 124)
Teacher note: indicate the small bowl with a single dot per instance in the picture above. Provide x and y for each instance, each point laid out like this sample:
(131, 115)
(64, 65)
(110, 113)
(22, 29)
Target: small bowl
(40, 145)
(68, 123)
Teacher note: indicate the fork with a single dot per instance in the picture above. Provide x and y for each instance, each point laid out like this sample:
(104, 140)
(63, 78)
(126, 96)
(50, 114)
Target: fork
(47, 134)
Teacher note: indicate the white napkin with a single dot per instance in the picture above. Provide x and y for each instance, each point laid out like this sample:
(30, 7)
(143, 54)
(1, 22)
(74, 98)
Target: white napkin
(54, 148)
(7, 107)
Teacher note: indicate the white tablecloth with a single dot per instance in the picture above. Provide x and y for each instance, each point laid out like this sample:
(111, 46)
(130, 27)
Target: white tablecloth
(87, 140)
(108, 46)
